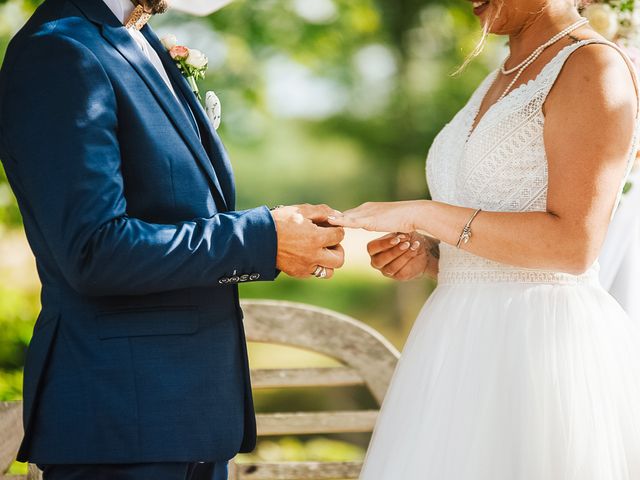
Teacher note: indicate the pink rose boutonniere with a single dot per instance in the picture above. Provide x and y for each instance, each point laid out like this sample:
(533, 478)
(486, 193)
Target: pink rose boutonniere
(191, 62)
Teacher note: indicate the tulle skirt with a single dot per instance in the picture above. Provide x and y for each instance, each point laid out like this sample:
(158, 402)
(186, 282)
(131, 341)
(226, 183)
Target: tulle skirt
(513, 381)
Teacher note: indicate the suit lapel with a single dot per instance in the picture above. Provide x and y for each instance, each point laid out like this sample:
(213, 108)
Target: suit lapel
(118, 37)
(210, 137)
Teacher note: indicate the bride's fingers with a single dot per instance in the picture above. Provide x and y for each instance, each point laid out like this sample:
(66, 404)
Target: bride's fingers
(387, 236)
(385, 243)
(354, 211)
(381, 260)
(392, 269)
(347, 221)
(406, 273)
(336, 220)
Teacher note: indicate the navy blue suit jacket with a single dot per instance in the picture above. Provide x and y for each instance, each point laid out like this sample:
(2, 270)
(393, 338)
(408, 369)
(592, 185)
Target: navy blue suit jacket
(139, 353)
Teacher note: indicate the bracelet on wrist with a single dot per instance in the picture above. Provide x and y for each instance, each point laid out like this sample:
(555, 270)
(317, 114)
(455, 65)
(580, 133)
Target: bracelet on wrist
(465, 235)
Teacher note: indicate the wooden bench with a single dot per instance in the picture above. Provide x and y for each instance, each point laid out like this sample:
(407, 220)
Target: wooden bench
(367, 359)
(10, 437)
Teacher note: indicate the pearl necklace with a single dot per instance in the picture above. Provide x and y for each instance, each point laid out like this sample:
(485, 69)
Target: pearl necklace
(534, 56)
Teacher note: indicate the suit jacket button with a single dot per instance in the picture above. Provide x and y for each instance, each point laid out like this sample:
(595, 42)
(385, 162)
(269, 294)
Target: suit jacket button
(234, 279)
(254, 276)
(244, 278)
(223, 281)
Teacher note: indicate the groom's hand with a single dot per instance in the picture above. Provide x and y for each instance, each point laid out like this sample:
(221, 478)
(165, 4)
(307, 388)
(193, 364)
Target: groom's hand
(305, 243)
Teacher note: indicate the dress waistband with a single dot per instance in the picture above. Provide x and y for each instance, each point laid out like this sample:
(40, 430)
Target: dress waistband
(458, 267)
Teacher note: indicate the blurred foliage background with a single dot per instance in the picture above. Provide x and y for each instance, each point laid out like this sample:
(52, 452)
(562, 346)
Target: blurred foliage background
(332, 101)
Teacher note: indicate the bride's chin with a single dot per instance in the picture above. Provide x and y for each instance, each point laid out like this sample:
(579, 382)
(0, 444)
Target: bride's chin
(491, 20)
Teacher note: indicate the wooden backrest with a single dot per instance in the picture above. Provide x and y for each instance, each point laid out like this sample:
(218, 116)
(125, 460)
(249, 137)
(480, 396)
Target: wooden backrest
(10, 438)
(368, 359)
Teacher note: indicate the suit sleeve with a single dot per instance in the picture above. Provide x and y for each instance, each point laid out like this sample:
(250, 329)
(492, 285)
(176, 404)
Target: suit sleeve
(60, 124)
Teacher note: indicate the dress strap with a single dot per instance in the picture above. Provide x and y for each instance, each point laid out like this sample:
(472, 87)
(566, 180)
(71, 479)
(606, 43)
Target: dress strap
(554, 67)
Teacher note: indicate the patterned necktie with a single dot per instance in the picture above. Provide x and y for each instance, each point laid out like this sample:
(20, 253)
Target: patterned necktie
(138, 18)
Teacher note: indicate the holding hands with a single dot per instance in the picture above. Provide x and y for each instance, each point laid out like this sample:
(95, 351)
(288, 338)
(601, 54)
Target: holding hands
(380, 216)
(404, 255)
(309, 238)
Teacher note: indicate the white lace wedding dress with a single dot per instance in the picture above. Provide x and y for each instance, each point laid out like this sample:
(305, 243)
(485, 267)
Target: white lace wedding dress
(510, 373)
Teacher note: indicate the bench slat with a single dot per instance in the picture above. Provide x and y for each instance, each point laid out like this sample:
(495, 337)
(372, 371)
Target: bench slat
(313, 422)
(34, 473)
(296, 471)
(306, 377)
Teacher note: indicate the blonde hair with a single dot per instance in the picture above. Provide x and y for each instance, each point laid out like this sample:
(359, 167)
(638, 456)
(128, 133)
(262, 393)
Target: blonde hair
(486, 29)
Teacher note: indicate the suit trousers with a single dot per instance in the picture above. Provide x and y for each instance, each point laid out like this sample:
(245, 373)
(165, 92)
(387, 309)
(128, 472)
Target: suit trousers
(141, 471)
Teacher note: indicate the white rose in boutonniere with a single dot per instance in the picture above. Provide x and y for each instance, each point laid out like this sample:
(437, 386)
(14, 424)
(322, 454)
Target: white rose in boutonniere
(169, 41)
(603, 19)
(191, 62)
(197, 59)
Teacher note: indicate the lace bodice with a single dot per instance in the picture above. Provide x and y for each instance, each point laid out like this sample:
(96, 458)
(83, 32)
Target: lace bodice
(499, 166)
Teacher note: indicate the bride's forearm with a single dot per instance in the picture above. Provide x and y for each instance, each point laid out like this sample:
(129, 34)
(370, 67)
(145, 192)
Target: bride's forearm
(524, 239)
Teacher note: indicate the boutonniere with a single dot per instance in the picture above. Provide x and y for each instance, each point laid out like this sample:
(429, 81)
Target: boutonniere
(192, 63)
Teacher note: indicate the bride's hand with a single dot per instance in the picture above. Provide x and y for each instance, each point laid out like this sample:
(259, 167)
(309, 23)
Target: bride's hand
(400, 256)
(380, 216)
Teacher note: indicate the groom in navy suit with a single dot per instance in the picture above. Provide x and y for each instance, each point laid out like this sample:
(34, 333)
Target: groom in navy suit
(138, 367)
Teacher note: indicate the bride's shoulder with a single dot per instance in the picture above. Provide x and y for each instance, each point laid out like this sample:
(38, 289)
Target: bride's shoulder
(591, 112)
(597, 71)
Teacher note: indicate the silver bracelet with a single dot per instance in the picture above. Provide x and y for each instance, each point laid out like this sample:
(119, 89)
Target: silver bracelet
(465, 235)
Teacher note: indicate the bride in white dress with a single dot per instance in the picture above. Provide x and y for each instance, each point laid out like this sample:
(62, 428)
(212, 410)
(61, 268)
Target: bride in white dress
(520, 366)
